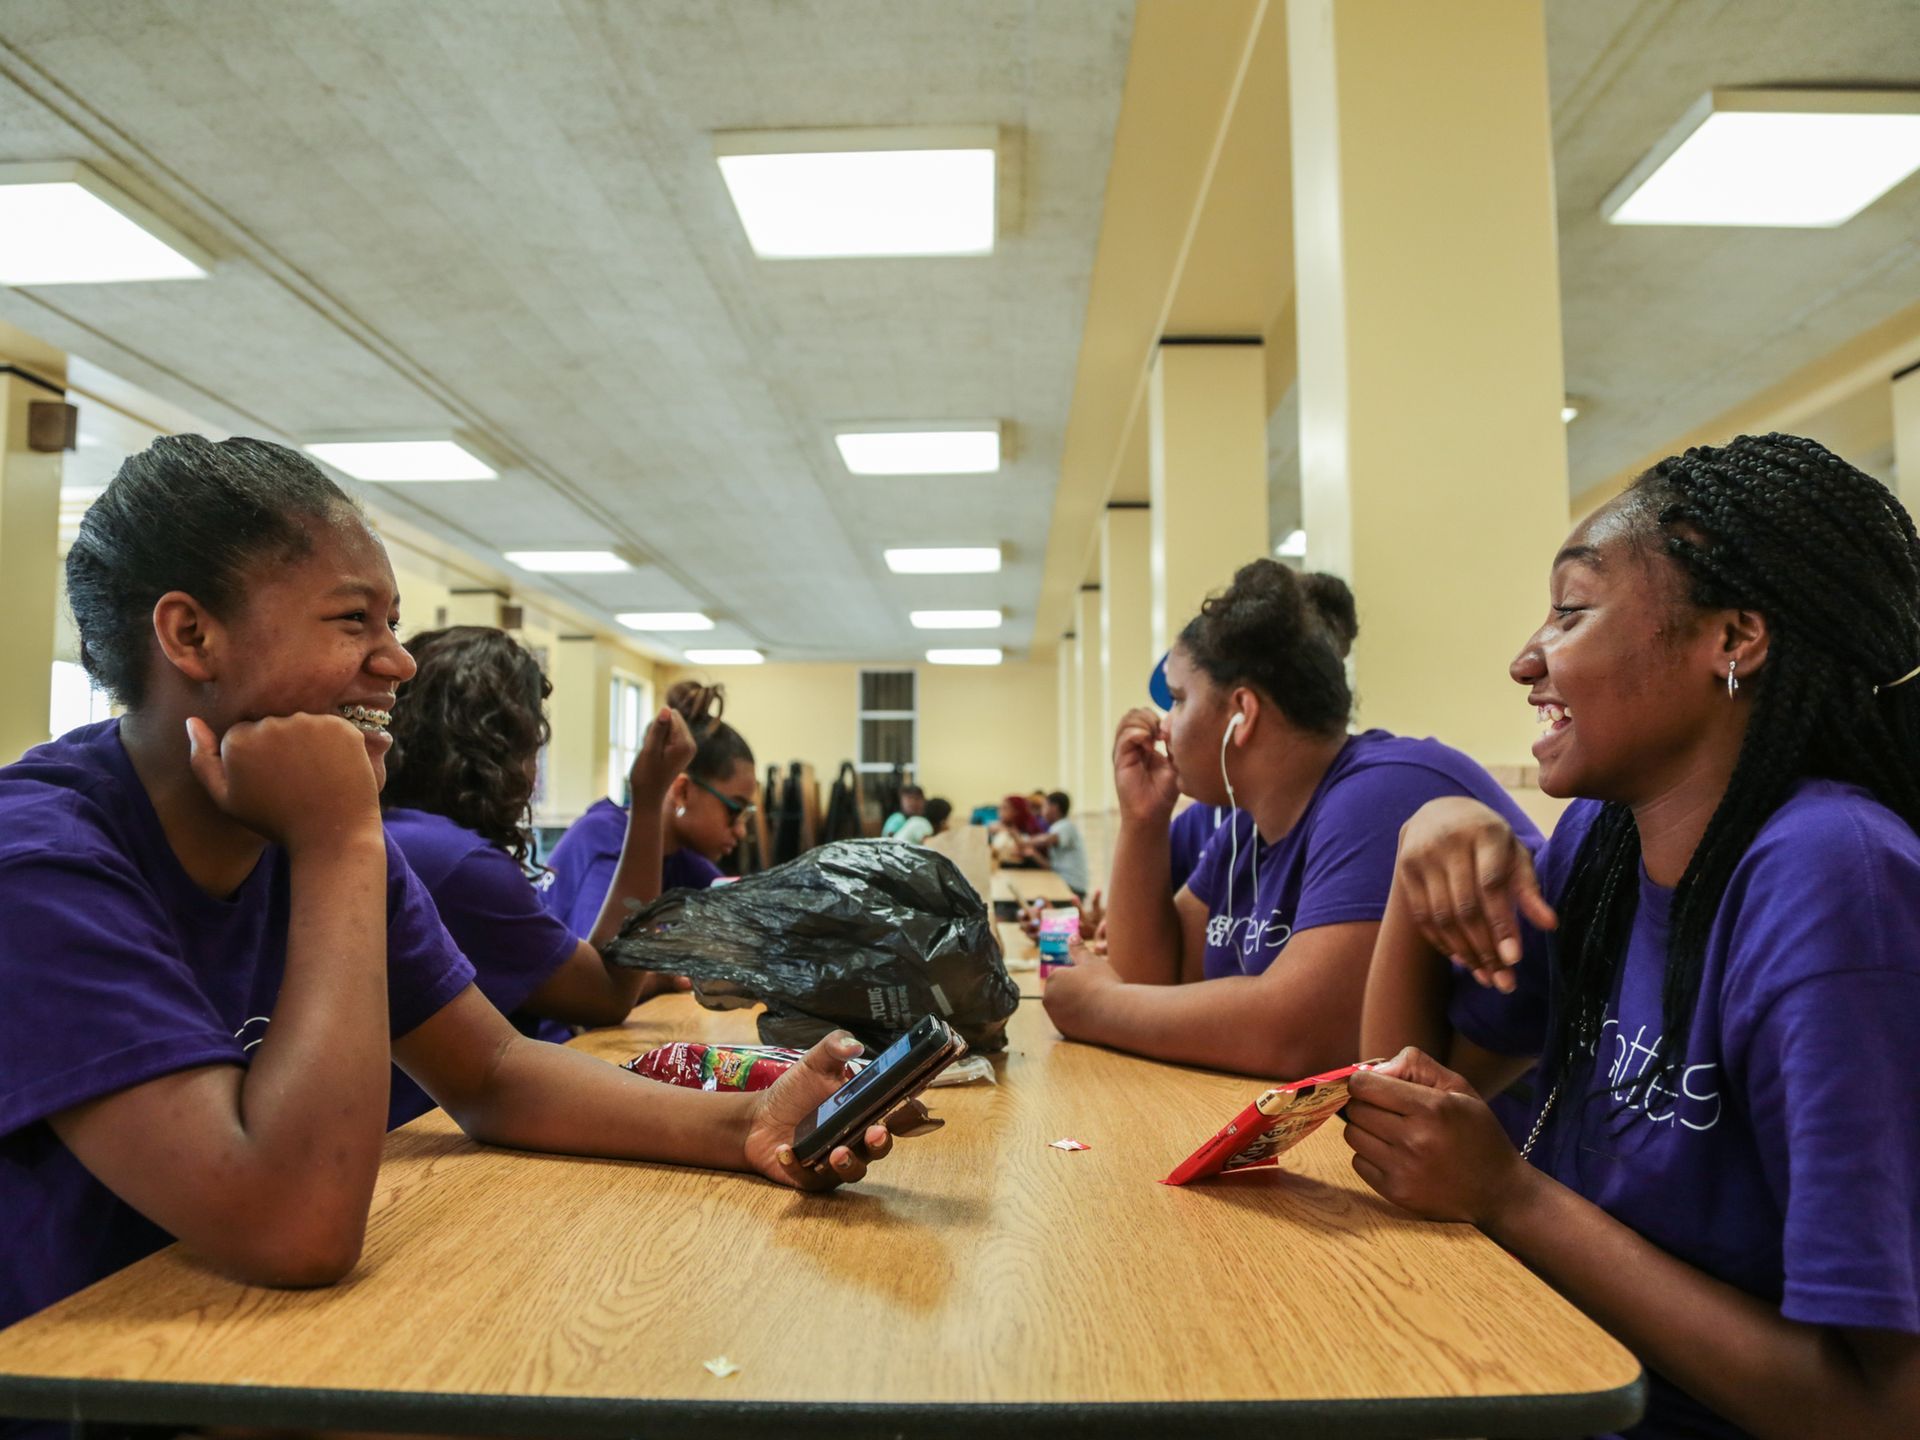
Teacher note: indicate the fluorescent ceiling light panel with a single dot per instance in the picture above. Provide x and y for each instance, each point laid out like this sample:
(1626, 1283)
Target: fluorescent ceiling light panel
(664, 620)
(390, 460)
(960, 560)
(810, 195)
(974, 451)
(61, 224)
(956, 619)
(726, 657)
(1810, 158)
(1294, 547)
(568, 562)
(963, 657)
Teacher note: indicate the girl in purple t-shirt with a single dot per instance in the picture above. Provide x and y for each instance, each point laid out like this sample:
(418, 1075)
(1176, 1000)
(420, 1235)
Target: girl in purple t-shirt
(467, 733)
(1258, 962)
(211, 949)
(708, 809)
(1718, 963)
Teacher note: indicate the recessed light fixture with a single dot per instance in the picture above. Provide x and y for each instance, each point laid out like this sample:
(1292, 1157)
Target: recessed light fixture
(972, 450)
(402, 459)
(61, 224)
(664, 620)
(952, 560)
(569, 562)
(726, 657)
(1294, 547)
(963, 657)
(1812, 158)
(956, 619)
(813, 194)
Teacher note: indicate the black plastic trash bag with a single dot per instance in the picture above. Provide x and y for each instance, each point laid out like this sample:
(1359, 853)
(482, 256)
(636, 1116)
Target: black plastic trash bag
(865, 935)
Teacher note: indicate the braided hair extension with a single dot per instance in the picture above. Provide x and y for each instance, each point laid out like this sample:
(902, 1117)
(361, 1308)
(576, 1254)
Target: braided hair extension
(1780, 525)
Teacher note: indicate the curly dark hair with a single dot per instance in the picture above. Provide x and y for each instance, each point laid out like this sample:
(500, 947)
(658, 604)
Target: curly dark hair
(464, 731)
(192, 514)
(1287, 634)
(1780, 525)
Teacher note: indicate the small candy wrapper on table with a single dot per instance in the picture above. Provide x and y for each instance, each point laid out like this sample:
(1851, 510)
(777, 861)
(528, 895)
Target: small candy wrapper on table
(1275, 1122)
(1069, 1145)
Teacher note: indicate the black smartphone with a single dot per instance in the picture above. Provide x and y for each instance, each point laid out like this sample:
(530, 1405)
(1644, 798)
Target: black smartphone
(902, 1071)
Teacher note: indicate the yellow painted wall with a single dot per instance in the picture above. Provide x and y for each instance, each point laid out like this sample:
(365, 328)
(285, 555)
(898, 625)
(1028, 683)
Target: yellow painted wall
(983, 731)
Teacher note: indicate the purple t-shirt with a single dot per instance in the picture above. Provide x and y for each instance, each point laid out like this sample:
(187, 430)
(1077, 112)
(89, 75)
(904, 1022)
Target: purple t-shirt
(1187, 838)
(1336, 865)
(490, 908)
(583, 864)
(1785, 1158)
(118, 969)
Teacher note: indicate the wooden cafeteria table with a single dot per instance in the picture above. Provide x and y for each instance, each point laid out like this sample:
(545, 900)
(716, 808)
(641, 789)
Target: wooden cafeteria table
(980, 1283)
(1030, 885)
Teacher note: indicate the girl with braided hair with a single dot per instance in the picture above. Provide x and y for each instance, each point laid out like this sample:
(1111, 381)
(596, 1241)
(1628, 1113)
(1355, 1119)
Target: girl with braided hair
(1716, 958)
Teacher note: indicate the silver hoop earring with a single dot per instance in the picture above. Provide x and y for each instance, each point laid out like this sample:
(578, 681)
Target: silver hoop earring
(1732, 684)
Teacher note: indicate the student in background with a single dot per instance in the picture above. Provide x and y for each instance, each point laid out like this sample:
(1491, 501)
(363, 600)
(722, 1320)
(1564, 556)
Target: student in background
(708, 809)
(913, 801)
(212, 951)
(467, 732)
(1258, 964)
(1716, 957)
(1007, 834)
(1062, 847)
(923, 827)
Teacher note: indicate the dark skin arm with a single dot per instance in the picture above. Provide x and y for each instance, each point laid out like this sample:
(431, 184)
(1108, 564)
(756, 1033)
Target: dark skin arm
(266, 1171)
(1298, 1017)
(1426, 1141)
(504, 1089)
(1151, 940)
(587, 990)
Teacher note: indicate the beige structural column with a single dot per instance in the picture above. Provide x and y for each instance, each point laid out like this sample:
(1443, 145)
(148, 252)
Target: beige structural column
(1906, 437)
(475, 607)
(582, 669)
(1207, 474)
(1126, 623)
(1088, 783)
(1071, 729)
(29, 561)
(1433, 458)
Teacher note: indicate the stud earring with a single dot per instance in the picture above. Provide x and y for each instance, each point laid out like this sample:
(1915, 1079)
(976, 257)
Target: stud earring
(682, 810)
(1732, 684)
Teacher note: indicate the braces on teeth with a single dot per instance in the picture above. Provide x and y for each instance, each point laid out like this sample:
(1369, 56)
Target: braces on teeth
(366, 717)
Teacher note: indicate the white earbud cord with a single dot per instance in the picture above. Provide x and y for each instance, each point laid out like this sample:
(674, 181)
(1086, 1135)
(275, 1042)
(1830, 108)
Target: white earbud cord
(1233, 829)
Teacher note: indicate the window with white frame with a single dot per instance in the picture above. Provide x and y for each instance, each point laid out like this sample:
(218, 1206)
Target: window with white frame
(628, 711)
(888, 721)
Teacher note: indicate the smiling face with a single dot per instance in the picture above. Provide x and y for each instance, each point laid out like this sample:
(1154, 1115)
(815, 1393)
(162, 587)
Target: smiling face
(1621, 670)
(1193, 728)
(316, 635)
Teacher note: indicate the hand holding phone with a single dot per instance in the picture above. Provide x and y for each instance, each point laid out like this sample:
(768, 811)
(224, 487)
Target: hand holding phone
(901, 1072)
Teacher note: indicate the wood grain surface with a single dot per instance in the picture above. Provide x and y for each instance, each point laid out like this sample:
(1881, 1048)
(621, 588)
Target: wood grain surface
(1026, 885)
(977, 1266)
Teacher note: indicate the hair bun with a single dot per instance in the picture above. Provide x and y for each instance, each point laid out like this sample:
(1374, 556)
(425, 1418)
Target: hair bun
(1332, 601)
(699, 704)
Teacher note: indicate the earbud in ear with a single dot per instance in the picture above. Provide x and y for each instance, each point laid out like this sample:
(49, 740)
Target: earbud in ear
(1233, 722)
